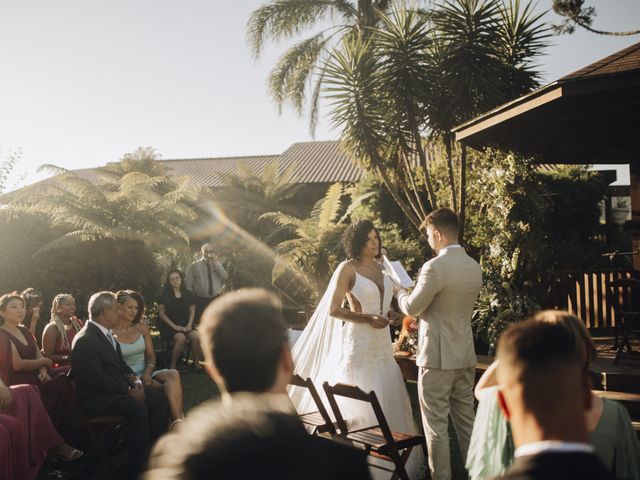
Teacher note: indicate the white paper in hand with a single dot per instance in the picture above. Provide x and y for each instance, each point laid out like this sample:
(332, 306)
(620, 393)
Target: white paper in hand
(398, 274)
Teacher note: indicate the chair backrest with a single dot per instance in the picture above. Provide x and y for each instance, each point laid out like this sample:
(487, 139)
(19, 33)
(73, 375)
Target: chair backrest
(307, 383)
(355, 393)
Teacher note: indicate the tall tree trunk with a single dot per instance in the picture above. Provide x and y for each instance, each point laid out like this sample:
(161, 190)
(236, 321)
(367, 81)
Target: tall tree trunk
(463, 189)
(416, 222)
(452, 182)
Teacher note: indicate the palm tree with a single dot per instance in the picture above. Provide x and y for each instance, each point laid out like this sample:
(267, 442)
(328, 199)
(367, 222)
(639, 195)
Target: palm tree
(157, 211)
(418, 76)
(291, 78)
(483, 56)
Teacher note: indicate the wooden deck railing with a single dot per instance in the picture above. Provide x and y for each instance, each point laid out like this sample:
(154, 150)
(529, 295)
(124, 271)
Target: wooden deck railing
(585, 293)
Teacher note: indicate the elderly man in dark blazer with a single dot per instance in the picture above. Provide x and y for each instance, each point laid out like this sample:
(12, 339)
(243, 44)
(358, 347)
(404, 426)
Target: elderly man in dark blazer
(107, 386)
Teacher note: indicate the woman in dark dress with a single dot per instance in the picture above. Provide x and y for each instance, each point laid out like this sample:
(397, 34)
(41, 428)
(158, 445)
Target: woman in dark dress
(177, 310)
(29, 366)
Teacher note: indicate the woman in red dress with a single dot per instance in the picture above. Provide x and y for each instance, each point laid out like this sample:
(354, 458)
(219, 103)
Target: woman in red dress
(59, 333)
(27, 434)
(29, 366)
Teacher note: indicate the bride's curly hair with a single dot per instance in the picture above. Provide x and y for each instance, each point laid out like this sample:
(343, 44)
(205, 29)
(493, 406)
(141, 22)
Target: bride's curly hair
(356, 236)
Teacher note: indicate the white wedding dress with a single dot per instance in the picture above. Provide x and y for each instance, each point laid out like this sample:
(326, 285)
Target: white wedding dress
(357, 354)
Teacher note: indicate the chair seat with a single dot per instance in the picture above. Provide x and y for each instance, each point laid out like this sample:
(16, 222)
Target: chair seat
(312, 418)
(375, 438)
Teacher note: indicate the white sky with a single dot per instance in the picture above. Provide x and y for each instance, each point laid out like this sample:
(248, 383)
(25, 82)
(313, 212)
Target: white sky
(84, 81)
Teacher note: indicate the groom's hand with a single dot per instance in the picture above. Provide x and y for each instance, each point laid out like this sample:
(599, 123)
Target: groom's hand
(397, 288)
(378, 321)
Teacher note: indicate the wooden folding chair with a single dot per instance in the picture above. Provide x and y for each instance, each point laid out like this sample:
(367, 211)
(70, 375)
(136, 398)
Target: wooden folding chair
(378, 440)
(319, 420)
(101, 429)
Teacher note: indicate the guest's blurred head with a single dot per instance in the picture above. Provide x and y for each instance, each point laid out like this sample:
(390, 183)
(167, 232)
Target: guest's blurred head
(244, 341)
(103, 309)
(544, 389)
(131, 306)
(12, 309)
(442, 227)
(360, 239)
(32, 298)
(255, 436)
(575, 327)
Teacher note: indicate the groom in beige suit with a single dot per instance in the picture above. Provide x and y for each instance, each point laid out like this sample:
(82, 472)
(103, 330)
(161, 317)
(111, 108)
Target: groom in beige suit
(444, 298)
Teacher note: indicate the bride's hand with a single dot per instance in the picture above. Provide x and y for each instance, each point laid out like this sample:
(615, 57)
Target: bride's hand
(377, 321)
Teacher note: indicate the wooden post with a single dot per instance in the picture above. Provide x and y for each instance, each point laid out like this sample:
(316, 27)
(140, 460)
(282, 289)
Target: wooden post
(634, 169)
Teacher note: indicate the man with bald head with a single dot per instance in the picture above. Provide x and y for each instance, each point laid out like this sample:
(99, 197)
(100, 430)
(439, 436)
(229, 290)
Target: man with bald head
(544, 392)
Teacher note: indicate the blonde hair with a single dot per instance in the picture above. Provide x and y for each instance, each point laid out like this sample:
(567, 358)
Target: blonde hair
(575, 327)
(55, 319)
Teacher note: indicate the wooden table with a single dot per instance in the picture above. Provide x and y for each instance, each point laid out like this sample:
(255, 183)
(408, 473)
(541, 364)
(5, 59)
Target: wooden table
(410, 370)
(630, 400)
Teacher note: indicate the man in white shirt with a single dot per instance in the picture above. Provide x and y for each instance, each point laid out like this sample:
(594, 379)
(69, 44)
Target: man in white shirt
(205, 278)
(544, 392)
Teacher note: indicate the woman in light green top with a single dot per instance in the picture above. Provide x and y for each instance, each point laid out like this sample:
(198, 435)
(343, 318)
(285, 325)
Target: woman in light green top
(137, 349)
(491, 447)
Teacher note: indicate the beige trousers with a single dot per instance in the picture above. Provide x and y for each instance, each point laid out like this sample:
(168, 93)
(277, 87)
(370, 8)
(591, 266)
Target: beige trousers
(443, 393)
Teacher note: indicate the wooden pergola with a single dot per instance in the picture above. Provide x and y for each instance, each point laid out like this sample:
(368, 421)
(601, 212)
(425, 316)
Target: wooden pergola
(589, 116)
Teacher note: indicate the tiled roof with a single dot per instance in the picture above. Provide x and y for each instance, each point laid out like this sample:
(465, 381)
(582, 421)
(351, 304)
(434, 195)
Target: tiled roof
(210, 172)
(316, 162)
(625, 61)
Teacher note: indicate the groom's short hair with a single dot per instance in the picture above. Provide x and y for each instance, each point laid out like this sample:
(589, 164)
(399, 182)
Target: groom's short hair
(243, 335)
(444, 220)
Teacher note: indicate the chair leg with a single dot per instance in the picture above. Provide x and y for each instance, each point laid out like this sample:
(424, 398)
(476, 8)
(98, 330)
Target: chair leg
(100, 444)
(399, 462)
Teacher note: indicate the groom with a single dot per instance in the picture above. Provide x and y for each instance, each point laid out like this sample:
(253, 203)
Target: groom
(443, 298)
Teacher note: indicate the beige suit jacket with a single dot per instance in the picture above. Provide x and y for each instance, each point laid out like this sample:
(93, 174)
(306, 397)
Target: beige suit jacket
(443, 299)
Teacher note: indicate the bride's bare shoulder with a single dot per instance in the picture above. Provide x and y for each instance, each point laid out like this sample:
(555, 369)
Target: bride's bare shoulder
(346, 271)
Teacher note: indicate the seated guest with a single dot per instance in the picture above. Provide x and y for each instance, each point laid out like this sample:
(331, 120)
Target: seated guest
(254, 432)
(29, 366)
(107, 386)
(32, 436)
(610, 429)
(544, 393)
(33, 304)
(177, 311)
(59, 333)
(137, 350)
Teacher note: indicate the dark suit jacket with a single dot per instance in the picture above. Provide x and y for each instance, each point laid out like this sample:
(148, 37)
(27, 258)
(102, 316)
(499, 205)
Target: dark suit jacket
(99, 371)
(557, 465)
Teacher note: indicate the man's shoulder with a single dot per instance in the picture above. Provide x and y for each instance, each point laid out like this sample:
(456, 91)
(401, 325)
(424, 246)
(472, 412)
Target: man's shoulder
(566, 465)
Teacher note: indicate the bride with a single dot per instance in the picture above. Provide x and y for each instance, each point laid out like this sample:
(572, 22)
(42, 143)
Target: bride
(353, 345)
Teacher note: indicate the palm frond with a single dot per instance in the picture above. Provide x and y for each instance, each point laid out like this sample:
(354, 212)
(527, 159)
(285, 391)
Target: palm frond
(288, 79)
(280, 19)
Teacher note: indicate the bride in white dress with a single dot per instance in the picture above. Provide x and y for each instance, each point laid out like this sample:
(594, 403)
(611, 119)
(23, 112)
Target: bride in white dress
(353, 345)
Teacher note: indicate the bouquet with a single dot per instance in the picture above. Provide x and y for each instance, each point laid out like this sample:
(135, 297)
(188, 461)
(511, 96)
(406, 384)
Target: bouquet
(407, 341)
